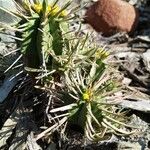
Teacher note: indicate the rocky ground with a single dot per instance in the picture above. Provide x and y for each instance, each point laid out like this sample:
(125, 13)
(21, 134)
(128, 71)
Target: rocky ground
(129, 53)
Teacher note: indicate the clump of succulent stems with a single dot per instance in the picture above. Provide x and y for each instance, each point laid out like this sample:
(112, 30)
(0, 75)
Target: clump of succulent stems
(83, 89)
(41, 32)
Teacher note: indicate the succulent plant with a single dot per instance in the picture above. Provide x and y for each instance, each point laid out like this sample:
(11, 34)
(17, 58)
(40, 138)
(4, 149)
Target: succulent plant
(88, 96)
(42, 32)
(72, 69)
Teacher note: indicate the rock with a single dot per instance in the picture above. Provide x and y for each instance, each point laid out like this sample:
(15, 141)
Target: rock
(111, 16)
